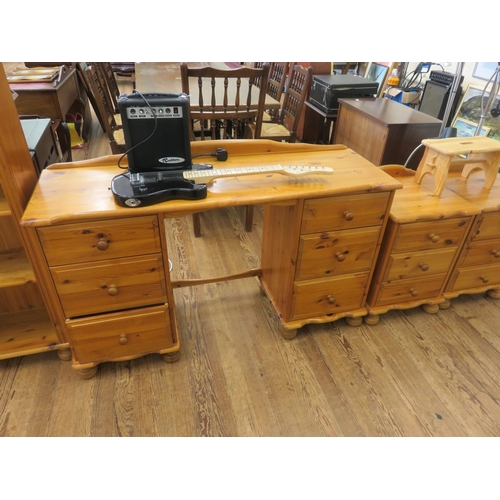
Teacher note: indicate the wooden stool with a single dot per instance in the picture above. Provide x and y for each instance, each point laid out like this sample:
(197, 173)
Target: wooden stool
(483, 153)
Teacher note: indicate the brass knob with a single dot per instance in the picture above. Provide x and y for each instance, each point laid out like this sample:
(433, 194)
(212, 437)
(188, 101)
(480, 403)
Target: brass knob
(340, 257)
(495, 253)
(348, 215)
(112, 290)
(331, 299)
(484, 279)
(102, 244)
(434, 238)
(123, 339)
(423, 266)
(413, 292)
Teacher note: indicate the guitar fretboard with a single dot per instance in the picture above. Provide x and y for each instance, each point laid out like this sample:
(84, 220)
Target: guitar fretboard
(205, 176)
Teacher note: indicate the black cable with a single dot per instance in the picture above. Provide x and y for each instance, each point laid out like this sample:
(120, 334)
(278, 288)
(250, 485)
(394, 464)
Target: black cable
(147, 138)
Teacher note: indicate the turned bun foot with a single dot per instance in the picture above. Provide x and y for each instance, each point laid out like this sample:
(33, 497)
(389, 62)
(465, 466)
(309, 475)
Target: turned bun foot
(87, 372)
(354, 321)
(494, 293)
(288, 334)
(371, 319)
(445, 305)
(430, 308)
(64, 354)
(171, 357)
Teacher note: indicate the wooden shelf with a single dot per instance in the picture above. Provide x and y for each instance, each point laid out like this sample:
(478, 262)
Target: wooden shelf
(4, 206)
(26, 332)
(16, 269)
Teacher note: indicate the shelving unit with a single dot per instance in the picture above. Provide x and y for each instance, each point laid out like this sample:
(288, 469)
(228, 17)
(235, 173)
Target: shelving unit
(25, 323)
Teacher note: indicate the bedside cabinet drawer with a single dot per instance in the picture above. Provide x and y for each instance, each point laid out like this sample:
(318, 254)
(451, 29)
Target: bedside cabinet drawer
(395, 292)
(328, 296)
(118, 335)
(466, 278)
(110, 285)
(336, 252)
(489, 227)
(481, 252)
(429, 235)
(419, 264)
(83, 242)
(344, 212)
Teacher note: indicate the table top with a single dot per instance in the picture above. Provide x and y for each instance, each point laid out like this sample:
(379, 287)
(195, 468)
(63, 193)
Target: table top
(51, 86)
(79, 191)
(166, 77)
(388, 112)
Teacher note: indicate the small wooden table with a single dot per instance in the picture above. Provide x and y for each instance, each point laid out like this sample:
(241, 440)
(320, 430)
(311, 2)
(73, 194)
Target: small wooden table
(320, 127)
(166, 77)
(46, 99)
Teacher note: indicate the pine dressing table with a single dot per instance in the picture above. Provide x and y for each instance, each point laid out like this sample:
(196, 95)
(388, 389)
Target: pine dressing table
(104, 268)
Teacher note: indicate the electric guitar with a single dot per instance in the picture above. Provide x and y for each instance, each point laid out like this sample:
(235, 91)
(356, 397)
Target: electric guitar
(207, 176)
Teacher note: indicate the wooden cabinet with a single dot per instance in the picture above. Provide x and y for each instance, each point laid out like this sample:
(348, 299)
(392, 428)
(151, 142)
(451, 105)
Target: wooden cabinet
(110, 279)
(421, 244)
(478, 266)
(26, 327)
(327, 248)
(383, 131)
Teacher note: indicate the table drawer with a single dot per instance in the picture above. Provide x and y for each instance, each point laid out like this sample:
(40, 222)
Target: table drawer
(396, 292)
(466, 278)
(100, 240)
(481, 252)
(328, 295)
(337, 252)
(428, 235)
(118, 335)
(344, 212)
(418, 264)
(110, 285)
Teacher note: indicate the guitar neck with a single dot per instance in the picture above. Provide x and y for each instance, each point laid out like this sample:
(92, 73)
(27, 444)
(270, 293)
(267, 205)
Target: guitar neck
(206, 176)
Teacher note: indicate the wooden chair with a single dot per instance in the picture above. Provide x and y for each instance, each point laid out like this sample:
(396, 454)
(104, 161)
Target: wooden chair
(224, 109)
(285, 128)
(108, 75)
(275, 86)
(104, 109)
(225, 100)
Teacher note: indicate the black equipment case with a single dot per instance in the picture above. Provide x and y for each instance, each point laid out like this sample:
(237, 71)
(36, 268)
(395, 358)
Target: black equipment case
(327, 89)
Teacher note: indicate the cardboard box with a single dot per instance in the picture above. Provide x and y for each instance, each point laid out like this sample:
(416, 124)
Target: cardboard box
(403, 97)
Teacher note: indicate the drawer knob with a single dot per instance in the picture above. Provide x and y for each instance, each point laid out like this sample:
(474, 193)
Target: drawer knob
(102, 244)
(423, 266)
(112, 290)
(434, 238)
(331, 299)
(348, 215)
(340, 257)
(413, 292)
(496, 253)
(123, 339)
(484, 279)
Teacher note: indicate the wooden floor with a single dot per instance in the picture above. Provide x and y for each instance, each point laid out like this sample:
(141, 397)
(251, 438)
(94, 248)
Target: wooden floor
(413, 374)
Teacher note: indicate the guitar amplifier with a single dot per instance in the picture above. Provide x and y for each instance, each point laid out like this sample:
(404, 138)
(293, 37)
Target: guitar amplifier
(156, 130)
(327, 89)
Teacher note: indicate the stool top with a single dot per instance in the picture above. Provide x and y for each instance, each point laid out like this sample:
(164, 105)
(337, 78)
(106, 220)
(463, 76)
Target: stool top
(463, 145)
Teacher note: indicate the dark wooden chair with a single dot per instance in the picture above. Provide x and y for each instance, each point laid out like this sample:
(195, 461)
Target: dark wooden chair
(104, 109)
(108, 75)
(225, 100)
(285, 127)
(278, 73)
(224, 105)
